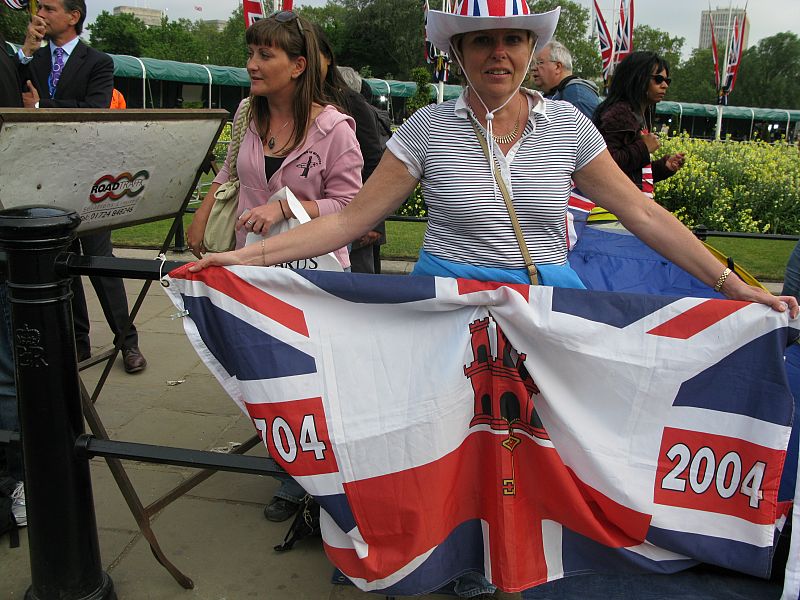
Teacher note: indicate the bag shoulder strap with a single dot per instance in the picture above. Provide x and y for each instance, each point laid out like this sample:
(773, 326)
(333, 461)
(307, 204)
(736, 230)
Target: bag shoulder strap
(237, 135)
(523, 246)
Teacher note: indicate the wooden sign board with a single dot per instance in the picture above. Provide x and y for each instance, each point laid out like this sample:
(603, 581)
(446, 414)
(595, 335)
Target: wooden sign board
(113, 167)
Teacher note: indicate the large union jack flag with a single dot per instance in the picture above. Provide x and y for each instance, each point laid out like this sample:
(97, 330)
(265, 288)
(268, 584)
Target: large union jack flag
(527, 433)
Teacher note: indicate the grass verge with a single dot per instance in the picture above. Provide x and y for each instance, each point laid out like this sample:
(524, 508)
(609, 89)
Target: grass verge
(765, 259)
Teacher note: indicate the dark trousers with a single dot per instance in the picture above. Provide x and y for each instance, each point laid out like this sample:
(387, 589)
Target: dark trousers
(366, 259)
(110, 291)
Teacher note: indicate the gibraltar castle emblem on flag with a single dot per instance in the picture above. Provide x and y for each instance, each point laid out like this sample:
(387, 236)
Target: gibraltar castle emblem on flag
(504, 391)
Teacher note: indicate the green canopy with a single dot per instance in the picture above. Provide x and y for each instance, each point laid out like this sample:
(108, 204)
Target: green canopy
(687, 109)
(406, 89)
(163, 70)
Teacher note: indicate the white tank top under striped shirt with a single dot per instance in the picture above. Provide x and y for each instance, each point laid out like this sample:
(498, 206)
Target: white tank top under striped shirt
(467, 221)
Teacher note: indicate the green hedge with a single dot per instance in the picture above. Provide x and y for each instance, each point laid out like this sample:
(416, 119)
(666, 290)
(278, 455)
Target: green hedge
(734, 186)
(726, 186)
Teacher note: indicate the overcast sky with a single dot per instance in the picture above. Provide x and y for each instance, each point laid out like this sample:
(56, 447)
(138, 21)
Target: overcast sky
(678, 17)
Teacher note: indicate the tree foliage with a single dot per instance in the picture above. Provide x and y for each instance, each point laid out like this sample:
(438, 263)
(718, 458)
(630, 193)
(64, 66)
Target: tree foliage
(658, 41)
(13, 23)
(769, 75)
(118, 34)
(693, 79)
(384, 38)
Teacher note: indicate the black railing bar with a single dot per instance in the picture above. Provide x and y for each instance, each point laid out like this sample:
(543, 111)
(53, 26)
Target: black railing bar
(88, 446)
(744, 235)
(400, 218)
(111, 266)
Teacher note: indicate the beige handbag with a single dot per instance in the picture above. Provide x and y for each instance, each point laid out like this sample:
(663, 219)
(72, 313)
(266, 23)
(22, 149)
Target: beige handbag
(220, 235)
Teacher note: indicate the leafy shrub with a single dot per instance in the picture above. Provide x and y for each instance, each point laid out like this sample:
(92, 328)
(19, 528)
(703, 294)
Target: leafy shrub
(422, 96)
(734, 186)
(414, 206)
(221, 147)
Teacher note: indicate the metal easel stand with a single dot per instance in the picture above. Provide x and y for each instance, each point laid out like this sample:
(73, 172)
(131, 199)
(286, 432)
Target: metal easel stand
(143, 515)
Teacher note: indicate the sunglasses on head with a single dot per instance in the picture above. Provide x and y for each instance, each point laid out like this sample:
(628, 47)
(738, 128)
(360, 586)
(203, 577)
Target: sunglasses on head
(659, 79)
(284, 16)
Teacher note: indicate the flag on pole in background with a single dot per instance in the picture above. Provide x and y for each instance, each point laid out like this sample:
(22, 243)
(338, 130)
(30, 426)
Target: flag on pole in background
(623, 44)
(16, 4)
(734, 54)
(714, 51)
(253, 11)
(606, 45)
(434, 56)
(454, 434)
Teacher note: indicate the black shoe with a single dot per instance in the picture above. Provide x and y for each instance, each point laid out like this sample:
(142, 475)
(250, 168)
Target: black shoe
(133, 360)
(279, 510)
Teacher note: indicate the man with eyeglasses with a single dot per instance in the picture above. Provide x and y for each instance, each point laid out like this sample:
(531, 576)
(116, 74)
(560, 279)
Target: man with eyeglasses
(552, 74)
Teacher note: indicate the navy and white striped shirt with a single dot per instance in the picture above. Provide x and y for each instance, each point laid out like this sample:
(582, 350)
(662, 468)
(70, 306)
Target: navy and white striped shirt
(468, 221)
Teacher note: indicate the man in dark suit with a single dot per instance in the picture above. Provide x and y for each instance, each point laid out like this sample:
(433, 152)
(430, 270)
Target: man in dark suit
(10, 455)
(66, 73)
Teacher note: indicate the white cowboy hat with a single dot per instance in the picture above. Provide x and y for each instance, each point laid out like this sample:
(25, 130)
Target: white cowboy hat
(478, 15)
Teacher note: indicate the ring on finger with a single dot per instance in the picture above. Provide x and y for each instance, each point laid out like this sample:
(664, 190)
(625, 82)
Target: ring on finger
(250, 222)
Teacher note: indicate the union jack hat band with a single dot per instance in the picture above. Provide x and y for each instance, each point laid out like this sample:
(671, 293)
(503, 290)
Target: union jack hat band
(479, 15)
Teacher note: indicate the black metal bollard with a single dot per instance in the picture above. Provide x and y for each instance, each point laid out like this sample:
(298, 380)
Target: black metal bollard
(62, 531)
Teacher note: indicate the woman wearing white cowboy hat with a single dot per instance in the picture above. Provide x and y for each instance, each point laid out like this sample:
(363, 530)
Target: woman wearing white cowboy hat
(537, 147)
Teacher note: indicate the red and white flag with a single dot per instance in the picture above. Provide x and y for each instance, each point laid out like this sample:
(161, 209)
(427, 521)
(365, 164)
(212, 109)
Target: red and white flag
(604, 36)
(734, 55)
(623, 44)
(253, 11)
(714, 51)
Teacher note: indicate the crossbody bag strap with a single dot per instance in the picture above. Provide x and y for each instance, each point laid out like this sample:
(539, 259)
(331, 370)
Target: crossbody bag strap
(237, 135)
(523, 246)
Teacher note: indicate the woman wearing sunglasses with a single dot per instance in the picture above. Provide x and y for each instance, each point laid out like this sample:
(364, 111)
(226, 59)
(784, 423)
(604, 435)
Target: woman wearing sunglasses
(625, 118)
(294, 137)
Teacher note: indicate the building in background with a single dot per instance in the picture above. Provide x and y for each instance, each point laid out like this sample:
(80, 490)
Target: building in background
(723, 23)
(218, 23)
(150, 16)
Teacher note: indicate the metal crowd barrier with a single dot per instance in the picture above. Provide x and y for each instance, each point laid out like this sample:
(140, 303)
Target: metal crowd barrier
(53, 403)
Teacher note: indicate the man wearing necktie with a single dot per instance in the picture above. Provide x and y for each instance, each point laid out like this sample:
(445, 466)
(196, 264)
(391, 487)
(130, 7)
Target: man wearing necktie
(66, 73)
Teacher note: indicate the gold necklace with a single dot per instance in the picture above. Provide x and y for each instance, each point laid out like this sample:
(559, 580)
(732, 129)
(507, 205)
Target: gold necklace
(271, 140)
(509, 137)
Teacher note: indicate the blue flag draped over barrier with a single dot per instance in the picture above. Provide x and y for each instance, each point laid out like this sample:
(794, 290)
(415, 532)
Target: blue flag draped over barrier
(529, 433)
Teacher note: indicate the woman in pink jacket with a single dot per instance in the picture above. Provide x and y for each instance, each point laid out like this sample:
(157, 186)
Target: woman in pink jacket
(293, 138)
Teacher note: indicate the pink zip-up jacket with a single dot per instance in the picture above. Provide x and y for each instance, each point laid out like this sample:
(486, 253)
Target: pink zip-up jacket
(325, 169)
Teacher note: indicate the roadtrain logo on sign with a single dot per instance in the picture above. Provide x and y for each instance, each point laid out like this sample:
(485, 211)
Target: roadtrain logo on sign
(115, 187)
